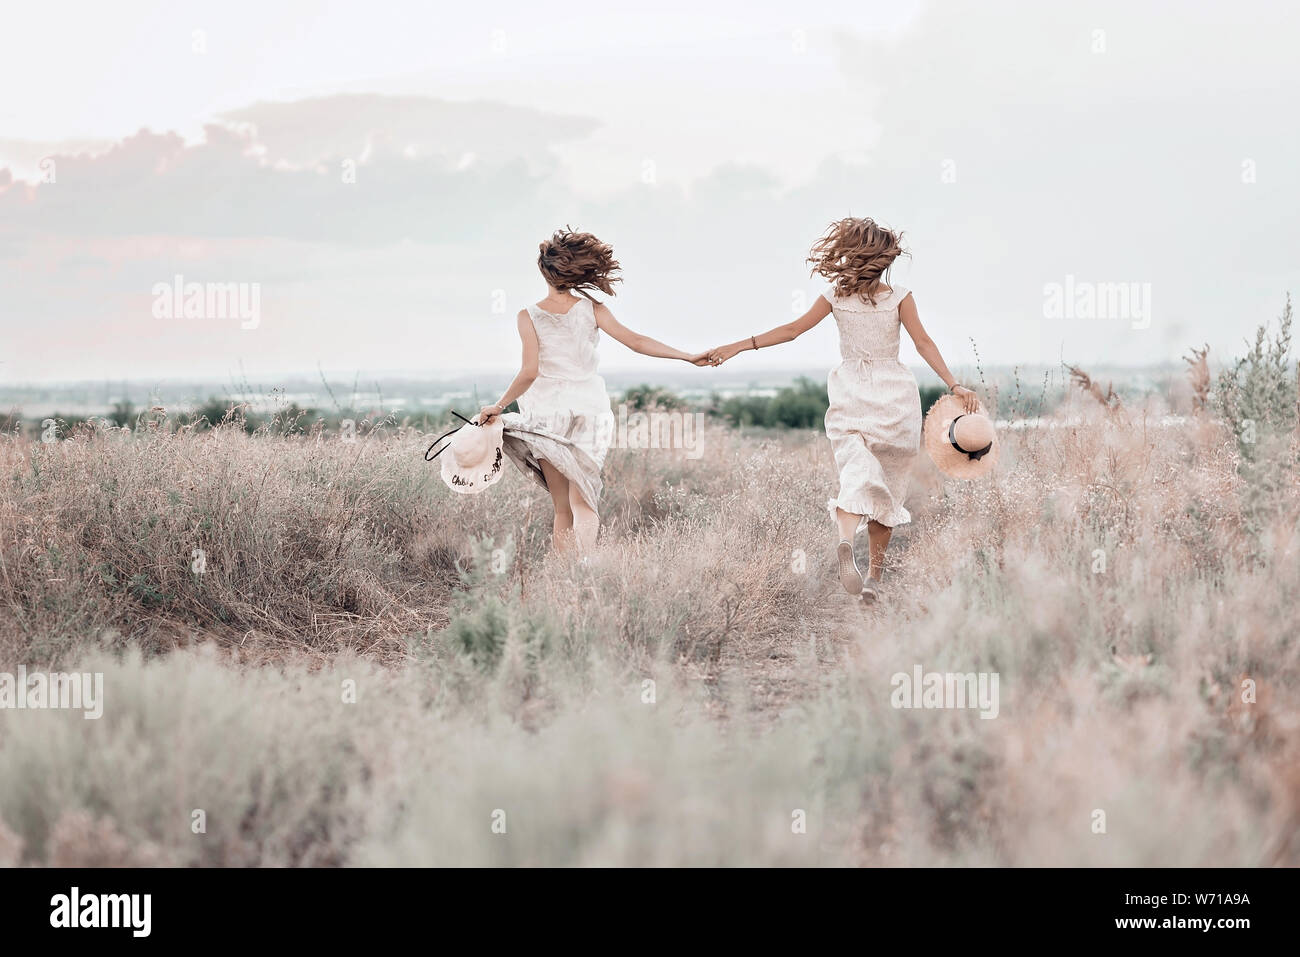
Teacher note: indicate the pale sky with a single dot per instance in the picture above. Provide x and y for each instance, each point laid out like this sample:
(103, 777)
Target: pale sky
(1016, 143)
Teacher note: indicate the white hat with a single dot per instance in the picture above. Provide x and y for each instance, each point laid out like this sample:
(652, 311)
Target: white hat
(962, 444)
(474, 457)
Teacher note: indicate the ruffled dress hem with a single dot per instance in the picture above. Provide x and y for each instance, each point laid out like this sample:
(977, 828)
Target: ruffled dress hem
(870, 511)
(528, 445)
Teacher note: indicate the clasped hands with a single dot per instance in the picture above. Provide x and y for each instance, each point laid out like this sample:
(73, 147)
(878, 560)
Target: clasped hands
(715, 357)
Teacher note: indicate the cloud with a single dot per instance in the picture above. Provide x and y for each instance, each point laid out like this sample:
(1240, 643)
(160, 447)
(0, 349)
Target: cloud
(306, 132)
(410, 169)
(25, 155)
(1011, 148)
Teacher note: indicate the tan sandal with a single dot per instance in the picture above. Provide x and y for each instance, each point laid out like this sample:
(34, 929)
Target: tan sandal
(850, 576)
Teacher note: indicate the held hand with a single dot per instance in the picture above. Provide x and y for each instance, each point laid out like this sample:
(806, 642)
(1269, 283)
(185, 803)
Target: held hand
(487, 414)
(721, 354)
(700, 359)
(969, 400)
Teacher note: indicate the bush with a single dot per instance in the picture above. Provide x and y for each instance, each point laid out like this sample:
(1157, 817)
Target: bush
(645, 398)
(930, 394)
(1257, 398)
(1257, 395)
(487, 614)
(801, 406)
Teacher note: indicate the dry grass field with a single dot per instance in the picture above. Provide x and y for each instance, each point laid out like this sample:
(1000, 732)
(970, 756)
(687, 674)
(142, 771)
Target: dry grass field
(337, 661)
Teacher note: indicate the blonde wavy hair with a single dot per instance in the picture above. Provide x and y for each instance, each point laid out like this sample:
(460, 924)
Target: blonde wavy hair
(579, 262)
(855, 255)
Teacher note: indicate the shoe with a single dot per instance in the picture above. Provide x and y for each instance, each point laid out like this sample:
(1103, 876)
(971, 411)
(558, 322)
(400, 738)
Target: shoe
(850, 576)
(870, 591)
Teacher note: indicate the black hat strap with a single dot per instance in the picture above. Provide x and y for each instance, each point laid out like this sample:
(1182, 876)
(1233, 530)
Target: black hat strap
(952, 440)
(430, 458)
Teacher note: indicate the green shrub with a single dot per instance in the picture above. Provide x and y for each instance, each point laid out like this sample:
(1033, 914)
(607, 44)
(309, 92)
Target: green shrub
(1257, 395)
(487, 614)
(643, 398)
(801, 406)
(1257, 399)
(930, 394)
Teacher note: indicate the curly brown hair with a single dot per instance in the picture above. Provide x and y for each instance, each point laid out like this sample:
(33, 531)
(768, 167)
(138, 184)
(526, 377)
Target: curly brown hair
(578, 261)
(855, 254)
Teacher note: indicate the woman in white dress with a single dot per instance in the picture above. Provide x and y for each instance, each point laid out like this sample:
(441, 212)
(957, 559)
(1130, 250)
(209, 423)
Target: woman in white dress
(565, 424)
(874, 419)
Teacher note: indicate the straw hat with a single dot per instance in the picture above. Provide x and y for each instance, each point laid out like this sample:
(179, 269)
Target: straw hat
(474, 458)
(962, 444)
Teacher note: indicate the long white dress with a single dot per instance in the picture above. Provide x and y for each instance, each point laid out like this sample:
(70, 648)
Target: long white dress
(565, 416)
(874, 419)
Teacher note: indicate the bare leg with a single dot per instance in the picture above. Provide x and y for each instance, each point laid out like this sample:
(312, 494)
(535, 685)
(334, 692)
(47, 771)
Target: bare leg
(878, 537)
(558, 486)
(586, 523)
(848, 523)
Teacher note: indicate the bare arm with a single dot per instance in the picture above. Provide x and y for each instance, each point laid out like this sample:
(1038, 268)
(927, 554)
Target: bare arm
(927, 350)
(527, 371)
(787, 332)
(639, 343)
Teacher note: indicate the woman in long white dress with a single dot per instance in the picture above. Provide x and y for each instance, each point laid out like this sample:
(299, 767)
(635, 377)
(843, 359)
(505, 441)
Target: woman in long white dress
(874, 419)
(565, 424)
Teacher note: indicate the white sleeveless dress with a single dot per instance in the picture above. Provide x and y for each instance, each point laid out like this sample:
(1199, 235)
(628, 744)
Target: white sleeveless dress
(565, 416)
(874, 419)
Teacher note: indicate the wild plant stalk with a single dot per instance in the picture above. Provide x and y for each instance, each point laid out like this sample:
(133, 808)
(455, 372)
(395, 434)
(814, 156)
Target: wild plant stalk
(1108, 398)
(1198, 376)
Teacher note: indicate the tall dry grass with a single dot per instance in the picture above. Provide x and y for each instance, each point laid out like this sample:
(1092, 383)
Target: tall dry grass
(684, 697)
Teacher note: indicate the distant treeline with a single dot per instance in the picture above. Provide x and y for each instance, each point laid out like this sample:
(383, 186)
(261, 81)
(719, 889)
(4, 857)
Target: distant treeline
(291, 419)
(801, 405)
